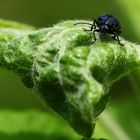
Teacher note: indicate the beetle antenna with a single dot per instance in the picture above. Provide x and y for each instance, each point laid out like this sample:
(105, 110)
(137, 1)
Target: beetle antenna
(83, 23)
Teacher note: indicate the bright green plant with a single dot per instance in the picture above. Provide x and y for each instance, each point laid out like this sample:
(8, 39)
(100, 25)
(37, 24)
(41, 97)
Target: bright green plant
(72, 75)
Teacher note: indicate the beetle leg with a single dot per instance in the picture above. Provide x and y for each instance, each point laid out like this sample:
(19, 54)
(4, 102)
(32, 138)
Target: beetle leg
(116, 37)
(86, 29)
(84, 23)
(93, 41)
(119, 42)
(93, 26)
(96, 30)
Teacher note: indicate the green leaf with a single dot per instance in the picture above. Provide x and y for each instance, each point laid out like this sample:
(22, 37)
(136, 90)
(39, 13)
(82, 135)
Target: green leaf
(72, 75)
(33, 124)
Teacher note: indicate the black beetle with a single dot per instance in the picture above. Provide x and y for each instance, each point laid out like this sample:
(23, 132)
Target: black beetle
(105, 23)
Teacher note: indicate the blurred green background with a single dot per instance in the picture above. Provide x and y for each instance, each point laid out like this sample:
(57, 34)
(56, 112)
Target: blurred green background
(21, 107)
